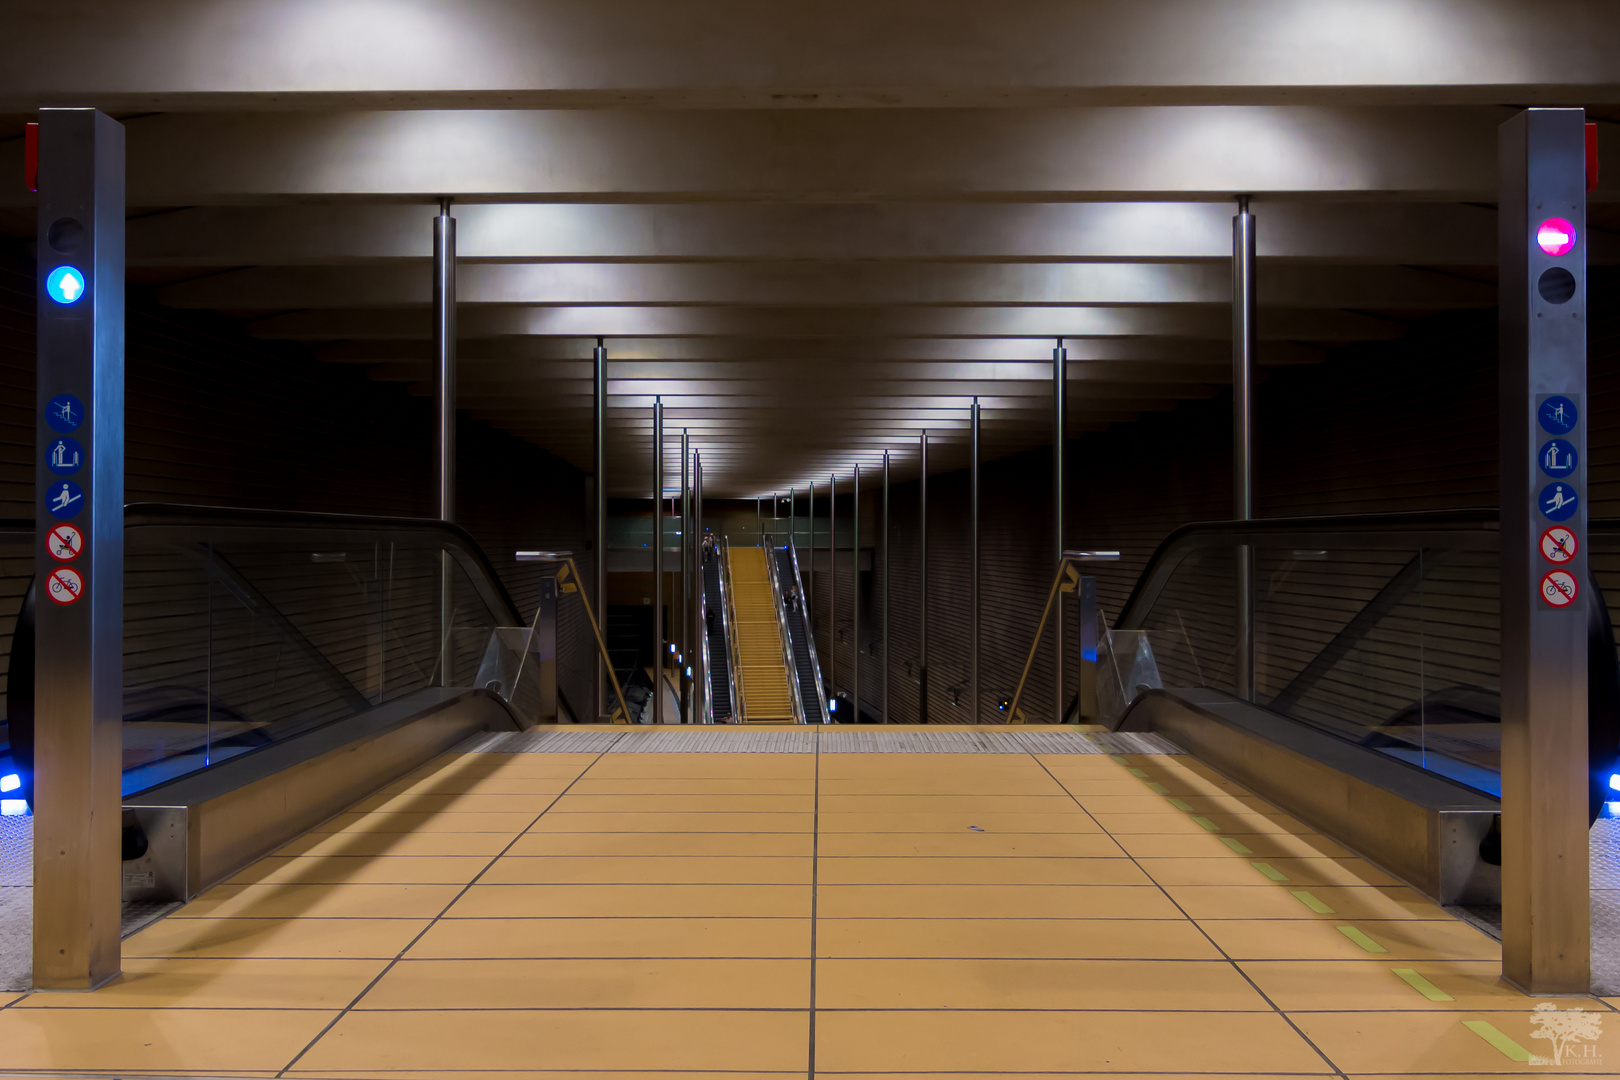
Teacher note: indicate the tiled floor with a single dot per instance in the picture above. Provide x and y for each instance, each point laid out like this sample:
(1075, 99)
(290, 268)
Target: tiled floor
(781, 914)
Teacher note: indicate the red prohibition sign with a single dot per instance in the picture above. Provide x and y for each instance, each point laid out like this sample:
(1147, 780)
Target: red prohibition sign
(1559, 589)
(65, 586)
(64, 543)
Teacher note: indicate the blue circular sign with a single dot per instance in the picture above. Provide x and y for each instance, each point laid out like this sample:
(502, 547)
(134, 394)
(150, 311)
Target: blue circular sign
(1559, 502)
(64, 500)
(1557, 415)
(64, 456)
(65, 285)
(1558, 458)
(64, 412)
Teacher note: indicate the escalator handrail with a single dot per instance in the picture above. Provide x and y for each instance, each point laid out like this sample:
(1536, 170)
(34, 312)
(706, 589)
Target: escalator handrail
(809, 634)
(790, 669)
(728, 618)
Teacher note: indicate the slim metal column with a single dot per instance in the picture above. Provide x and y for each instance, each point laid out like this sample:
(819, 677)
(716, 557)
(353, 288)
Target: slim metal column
(885, 702)
(810, 594)
(1060, 427)
(832, 585)
(793, 517)
(922, 586)
(658, 560)
(1243, 342)
(78, 551)
(687, 616)
(599, 698)
(855, 600)
(444, 415)
(973, 555)
(704, 688)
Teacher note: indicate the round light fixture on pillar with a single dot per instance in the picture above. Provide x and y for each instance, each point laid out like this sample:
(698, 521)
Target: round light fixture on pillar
(65, 285)
(1556, 236)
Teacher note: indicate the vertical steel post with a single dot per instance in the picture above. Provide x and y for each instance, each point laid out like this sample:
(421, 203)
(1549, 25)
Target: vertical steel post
(599, 696)
(793, 517)
(444, 416)
(855, 600)
(79, 551)
(885, 702)
(1060, 427)
(658, 560)
(687, 609)
(1546, 583)
(832, 585)
(922, 585)
(700, 701)
(1243, 348)
(810, 593)
(973, 555)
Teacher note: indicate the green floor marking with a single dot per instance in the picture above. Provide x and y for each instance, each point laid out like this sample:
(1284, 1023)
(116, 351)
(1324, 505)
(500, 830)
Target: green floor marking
(1270, 871)
(1138, 773)
(1205, 823)
(1158, 789)
(1310, 900)
(1361, 939)
(1116, 759)
(1181, 805)
(1487, 1031)
(1236, 845)
(1422, 985)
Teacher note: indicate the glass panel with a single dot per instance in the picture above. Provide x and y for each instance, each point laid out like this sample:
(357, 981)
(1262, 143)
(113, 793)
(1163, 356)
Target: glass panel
(1190, 624)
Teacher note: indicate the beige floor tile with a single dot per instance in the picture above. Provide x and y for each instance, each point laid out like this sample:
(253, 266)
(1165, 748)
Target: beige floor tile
(978, 871)
(969, 844)
(1226, 823)
(363, 870)
(1265, 900)
(498, 784)
(1034, 984)
(1307, 939)
(676, 822)
(953, 822)
(1146, 802)
(200, 983)
(924, 784)
(472, 803)
(1299, 873)
(294, 901)
(597, 983)
(725, 901)
(1202, 844)
(1032, 901)
(1171, 822)
(660, 766)
(841, 765)
(679, 785)
(274, 937)
(648, 869)
(1419, 1042)
(885, 805)
(685, 804)
(1014, 937)
(1008, 1042)
(624, 937)
(486, 844)
(156, 1040)
(665, 843)
(1358, 985)
(543, 1074)
(8, 999)
(570, 1039)
(510, 823)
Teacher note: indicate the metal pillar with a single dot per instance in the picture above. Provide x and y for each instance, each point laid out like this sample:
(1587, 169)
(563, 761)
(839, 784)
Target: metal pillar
(444, 415)
(79, 551)
(687, 640)
(1060, 427)
(922, 587)
(793, 517)
(700, 700)
(810, 595)
(1243, 342)
(658, 560)
(855, 600)
(1541, 222)
(832, 585)
(885, 702)
(599, 696)
(973, 576)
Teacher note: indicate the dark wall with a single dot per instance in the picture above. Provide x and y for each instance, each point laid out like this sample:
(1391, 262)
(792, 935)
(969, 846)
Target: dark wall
(215, 417)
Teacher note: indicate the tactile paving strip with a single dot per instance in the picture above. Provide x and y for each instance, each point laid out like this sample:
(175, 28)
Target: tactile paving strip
(1605, 856)
(722, 740)
(541, 741)
(878, 741)
(1132, 742)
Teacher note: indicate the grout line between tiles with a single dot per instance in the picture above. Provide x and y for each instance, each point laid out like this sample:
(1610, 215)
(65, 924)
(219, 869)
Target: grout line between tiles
(815, 862)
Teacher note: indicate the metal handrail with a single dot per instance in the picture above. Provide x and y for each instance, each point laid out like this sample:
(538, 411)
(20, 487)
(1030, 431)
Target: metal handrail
(728, 619)
(790, 669)
(809, 635)
(704, 682)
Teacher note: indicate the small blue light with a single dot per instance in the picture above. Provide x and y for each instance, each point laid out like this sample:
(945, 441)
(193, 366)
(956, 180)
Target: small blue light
(65, 285)
(832, 706)
(689, 671)
(10, 783)
(1614, 781)
(13, 808)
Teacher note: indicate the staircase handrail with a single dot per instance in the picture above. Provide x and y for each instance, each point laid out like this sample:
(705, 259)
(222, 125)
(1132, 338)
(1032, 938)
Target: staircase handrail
(809, 633)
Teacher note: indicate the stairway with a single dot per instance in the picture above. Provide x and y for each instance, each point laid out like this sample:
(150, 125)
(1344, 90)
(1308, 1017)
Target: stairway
(762, 672)
(719, 652)
(799, 636)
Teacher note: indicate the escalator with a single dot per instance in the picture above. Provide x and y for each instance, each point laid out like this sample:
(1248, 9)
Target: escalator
(716, 641)
(806, 665)
(768, 695)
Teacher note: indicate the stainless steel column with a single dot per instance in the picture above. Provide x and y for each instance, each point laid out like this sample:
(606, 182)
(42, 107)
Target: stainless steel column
(793, 517)
(1243, 342)
(701, 700)
(658, 560)
(79, 551)
(855, 601)
(687, 610)
(832, 585)
(1060, 427)
(1546, 579)
(973, 619)
(922, 586)
(810, 588)
(885, 702)
(599, 702)
(444, 416)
